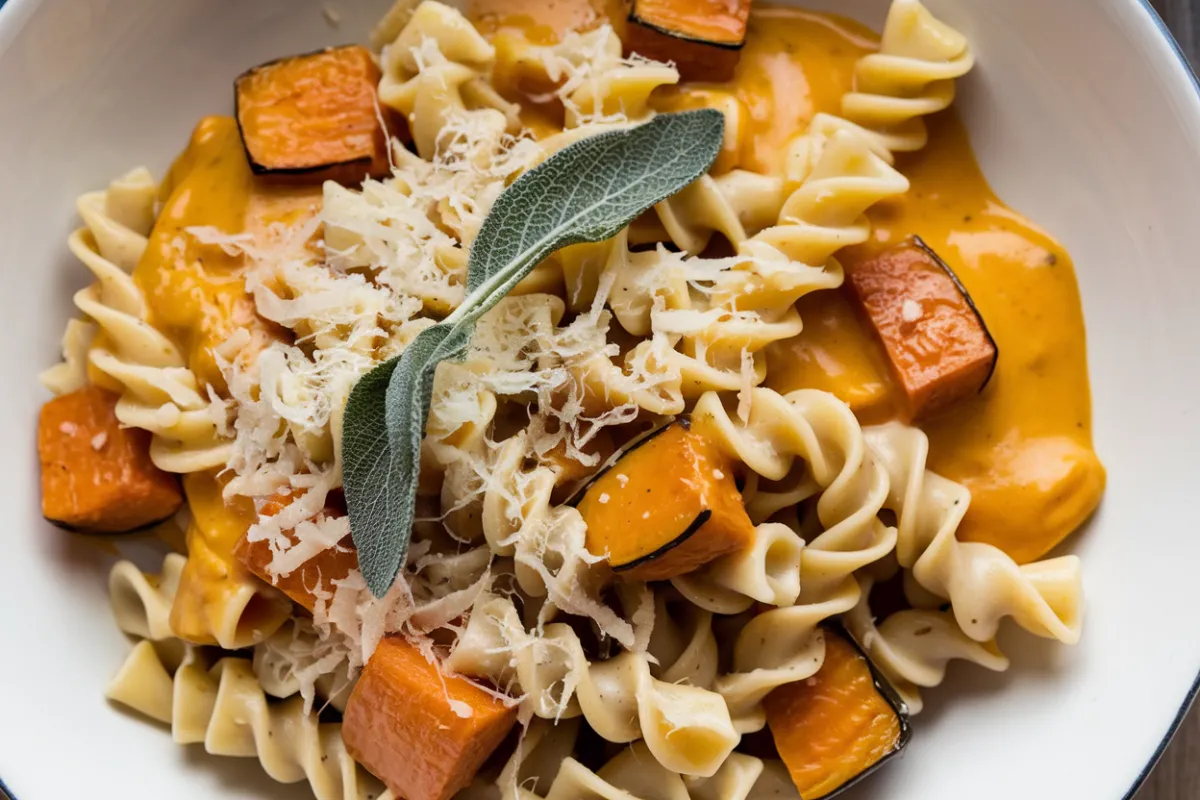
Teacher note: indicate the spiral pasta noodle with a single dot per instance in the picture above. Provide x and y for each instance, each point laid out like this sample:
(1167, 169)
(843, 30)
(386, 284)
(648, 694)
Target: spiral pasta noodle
(160, 394)
(141, 602)
(982, 583)
(911, 76)
(433, 75)
(838, 168)
(821, 431)
(224, 708)
(912, 647)
(768, 571)
(70, 374)
(687, 728)
(543, 769)
(594, 82)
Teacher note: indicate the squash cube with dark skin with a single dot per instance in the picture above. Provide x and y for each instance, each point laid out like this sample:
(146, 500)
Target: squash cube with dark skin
(937, 344)
(97, 476)
(315, 117)
(836, 727)
(401, 726)
(704, 38)
(668, 506)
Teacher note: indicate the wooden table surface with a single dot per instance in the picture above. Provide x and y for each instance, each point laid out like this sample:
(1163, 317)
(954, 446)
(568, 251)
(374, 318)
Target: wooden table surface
(1177, 776)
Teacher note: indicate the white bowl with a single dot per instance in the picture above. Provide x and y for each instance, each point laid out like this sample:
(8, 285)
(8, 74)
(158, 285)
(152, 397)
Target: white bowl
(1083, 115)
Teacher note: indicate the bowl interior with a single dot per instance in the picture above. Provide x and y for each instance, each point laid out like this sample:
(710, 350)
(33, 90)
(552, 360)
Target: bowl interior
(1097, 150)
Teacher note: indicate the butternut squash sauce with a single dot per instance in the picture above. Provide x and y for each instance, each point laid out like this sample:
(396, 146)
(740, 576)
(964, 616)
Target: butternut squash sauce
(197, 295)
(219, 600)
(1024, 446)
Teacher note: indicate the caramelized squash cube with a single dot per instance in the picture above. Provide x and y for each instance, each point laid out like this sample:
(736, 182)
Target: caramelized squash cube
(937, 344)
(314, 115)
(668, 506)
(703, 37)
(401, 725)
(839, 725)
(97, 477)
(319, 571)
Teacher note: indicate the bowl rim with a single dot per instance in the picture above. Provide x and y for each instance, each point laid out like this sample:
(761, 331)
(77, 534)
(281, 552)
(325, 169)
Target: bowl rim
(16, 7)
(1189, 699)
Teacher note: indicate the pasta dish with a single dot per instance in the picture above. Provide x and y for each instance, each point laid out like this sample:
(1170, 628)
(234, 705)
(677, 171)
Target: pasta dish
(588, 399)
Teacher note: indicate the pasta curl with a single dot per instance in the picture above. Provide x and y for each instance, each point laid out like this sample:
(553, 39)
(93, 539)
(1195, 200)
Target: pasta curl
(224, 708)
(542, 769)
(141, 602)
(982, 583)
(433, 74)
(590, 77)
(160, 394)
(687, 728)
(547, 542)
(821, 431)
(911, 76)
(766, 572)
(912, 647)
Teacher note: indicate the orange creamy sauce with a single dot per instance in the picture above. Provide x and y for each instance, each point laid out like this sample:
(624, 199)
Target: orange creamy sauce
(1023, 446)
(197, 296)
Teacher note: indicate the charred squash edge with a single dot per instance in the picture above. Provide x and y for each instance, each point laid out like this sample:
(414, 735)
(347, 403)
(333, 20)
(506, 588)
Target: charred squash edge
(698, 523)
(579, 491)
(684, 421)
(675, 34)
(82, 531)
(259, 169)
(889, 694)
(958, 284)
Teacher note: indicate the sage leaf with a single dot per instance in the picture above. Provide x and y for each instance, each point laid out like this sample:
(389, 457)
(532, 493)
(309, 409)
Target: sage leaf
(592, 189)
(369, 476)
(381, 449)
(586, 192)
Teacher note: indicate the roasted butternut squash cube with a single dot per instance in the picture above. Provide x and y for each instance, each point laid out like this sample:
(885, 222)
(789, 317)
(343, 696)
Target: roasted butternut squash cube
(97, 477)
(314, 115)
(703, 37)
(318, 572)
(424, 734)
(839, 725)
(936, 341)
(667, 506)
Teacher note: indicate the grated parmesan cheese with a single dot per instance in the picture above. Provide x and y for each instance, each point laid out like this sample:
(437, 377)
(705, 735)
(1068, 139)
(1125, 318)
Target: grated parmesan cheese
(910, 310)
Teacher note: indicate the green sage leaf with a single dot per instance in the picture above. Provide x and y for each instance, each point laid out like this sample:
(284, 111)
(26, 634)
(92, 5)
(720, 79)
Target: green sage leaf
(592, 189)
(587, 192)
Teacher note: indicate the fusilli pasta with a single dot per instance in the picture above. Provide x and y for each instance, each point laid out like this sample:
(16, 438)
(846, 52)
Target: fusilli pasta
(686, 727)
(223, 707)
(160, 394)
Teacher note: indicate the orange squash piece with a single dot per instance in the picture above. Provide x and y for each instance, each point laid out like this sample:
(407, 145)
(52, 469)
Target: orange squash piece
(97, 476)
(703, 37)
(838, 725)
(938, 346)
(400, 725)
(314, 115)
(319, 571)
(668, 506)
